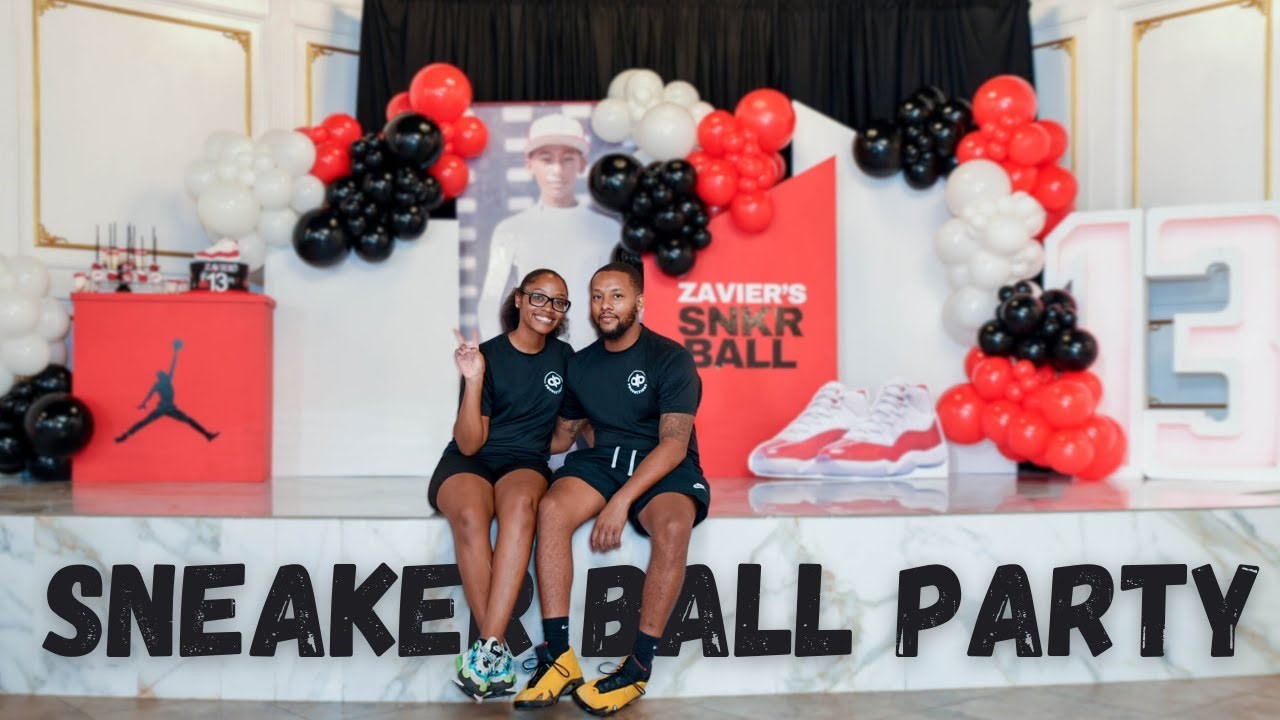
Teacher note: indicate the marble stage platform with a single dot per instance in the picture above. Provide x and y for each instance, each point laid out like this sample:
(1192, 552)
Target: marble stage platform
(863, 534)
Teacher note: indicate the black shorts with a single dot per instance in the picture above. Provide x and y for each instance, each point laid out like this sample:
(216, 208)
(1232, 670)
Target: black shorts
(608, 469)
(489, 467)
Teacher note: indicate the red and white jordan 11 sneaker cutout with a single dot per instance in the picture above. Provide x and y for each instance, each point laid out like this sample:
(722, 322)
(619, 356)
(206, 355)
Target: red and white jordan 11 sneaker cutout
(899, 435)
(833, 411)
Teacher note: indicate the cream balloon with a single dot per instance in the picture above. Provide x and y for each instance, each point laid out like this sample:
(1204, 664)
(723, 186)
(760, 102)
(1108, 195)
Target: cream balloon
(294, 153)
(700, 110)
(308, 193)
(611, 120)
(237, 148)
(681, 93)
(964, 311)
(214, 143)
(247, 178)
(253, 250)
(988, 270)
(1029, 209)
(275, 227)
(30, 278)
(1005, 235)
(18, 314)
(618, 86)
(227, 172)
(1033, 256)
(274, 189)
(53, 323)
(666, 132)
(263, 163)
(228, 209)
(58, 352)
(644, 88)
(198, 175)
(25, 355)
(953, 243)
(975, 181)
(958, 276)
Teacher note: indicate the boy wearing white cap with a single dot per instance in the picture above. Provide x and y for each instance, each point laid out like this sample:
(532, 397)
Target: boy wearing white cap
(558, 232)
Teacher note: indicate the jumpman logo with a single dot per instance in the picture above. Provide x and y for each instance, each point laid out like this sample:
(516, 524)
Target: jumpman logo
(166, 407)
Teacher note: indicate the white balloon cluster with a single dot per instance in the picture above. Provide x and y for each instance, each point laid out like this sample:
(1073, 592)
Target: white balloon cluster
(990, 243)
(254, 192)
(663, 118)
(33, 326)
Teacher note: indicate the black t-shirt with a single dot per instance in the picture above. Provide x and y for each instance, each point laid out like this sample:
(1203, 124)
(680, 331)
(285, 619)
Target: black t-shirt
(521, 396)
(624, 394)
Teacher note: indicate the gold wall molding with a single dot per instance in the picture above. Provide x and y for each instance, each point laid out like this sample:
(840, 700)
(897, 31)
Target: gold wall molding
(1068, 45)
(1144, 26)
(315, 51)
(243, 38)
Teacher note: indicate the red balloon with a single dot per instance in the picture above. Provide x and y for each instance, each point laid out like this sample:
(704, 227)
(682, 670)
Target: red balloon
(779, 165)
(972, 147)
(960, 413)
(995, 420)
(1027, 434)
(1010, 454)
(452, 173)
(1109, 444)
(470, 136)
(318, 134)
(1046, 375)
(440, 91)
(1029, 385)
(713, 128)
(1069, 451)
(1000, 135)
(1067, 404)
(1024, 369)
(752, 212)
(398, 106)
(1089, 380)
(332, 161)
(1005, 99)
(767, 113)
(1055, 188)
(747, 185)
(1029, 144)
(971, 359)
(733, 142)
(752, 166)
(991, 377)
(996, 151)
(718, 183)
(1057, 139)
(699, 160)
(343, 128)
(1013, 392)
(1021, 177)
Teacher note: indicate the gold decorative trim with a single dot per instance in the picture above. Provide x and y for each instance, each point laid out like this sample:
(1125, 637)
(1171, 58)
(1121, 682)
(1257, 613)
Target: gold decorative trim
(1146, 25)
(243, 38)
(1068, 45)
(315, 51)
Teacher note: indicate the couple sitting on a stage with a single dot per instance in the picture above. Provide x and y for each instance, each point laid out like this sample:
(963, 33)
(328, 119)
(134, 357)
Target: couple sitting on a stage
(526, 395)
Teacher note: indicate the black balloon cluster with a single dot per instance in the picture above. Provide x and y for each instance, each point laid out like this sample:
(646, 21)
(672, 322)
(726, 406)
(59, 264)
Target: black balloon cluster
(388, 195)
(661, 211)
(42, 426)
(921, 141)
(1040, 329)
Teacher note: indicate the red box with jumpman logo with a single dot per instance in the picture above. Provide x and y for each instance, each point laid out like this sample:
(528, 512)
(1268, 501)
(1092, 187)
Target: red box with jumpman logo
(179, 386)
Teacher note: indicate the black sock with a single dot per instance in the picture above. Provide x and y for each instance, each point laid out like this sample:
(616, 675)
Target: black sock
(645, 648)
(556, 632)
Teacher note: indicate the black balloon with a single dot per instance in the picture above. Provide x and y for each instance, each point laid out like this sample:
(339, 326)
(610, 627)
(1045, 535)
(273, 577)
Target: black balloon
(404, 199)
(878, 149)
(913, 111)
(406, 178)
(668, 221)
(946, 135)
(58, 425)
(352, 206)
(911, 154)
(679, 176)
(378, 156)
(911, 134)
(958, 112)
(930, 94)
(1020, 314)
(649, 179)
(993, 339)
(613, 181)
(48, 469)
(675, 256)
(699, 219)
(1074, 350)
(355, 226)
(621, 254)
(642, 204)
(430, 194)
(1049, 326)
(341, 190)
(379, 186)
(949, 163)
(408, 223)
(319, 238)
(375, 245)
(1025, 287)
(371, 212)
(1006, 292)
(14, 448)
(414, 139)
(662, 196)
(700, 239)
(1034, 349)
(1056, 296)
(54, 378)
(1068, 319)
(922, 173)
(637, 236)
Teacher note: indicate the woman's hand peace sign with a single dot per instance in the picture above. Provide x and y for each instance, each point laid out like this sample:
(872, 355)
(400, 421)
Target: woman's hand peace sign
(467, 356)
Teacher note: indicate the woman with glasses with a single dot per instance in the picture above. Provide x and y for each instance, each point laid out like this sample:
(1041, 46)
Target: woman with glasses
(496, 465)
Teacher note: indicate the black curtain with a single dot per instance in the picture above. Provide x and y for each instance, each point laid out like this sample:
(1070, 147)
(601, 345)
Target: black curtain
(851, 59)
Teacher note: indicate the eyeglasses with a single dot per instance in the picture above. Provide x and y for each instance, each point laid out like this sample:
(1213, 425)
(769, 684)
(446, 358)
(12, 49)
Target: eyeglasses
(537, 299)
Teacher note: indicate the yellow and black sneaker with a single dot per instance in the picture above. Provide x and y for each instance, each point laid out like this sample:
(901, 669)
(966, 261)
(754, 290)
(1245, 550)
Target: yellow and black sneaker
(609, 694)
(552, 678)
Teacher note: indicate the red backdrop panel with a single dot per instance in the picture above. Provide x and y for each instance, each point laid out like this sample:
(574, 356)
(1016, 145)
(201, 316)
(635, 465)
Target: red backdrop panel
(758, 312)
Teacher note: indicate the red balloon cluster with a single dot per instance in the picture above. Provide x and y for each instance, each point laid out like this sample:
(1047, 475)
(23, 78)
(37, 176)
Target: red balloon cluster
(442, 93)
(333, 139)
(1029, 150)
(739, 160)
(1034, 414)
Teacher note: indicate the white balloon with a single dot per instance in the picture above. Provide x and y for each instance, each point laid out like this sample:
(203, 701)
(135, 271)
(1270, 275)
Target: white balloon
(1029, 209)
(666, 132)
(53, 323)
(214, 143)
(953, 243)
(618, 86)
(1033, 256)
(636, 112)
(681, 93)
(25, 355)
(988, 270)
(253, 251)
(611, 120)
(198, 175)
(964, 311)
(58, 352)
(7, 378)
(294, 153)
(263, 163)
(228, 209)
(308, 193)
(975, 181)
(1005, 235)
(244, 162)
(247, 178)
(269, 139)
(18, 314)
(227, 171)
(958, 276)
(700, 110)
(7, 281)
(274, 189)
(644, 88)
(237, 148)
(275, 227)
(29, 276)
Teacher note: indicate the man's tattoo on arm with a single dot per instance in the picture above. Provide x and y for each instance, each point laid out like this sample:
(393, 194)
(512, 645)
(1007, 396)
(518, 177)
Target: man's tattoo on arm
(675, 426)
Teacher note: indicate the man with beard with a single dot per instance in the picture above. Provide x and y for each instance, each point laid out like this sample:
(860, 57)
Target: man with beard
(640, 391)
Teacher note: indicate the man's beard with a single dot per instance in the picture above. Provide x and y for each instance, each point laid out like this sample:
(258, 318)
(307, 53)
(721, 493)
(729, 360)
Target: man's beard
(624, 324)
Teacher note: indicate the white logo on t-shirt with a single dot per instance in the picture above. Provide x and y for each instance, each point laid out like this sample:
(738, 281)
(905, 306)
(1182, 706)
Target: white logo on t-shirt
(636, 382)
(553, 382)
(699, 486)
